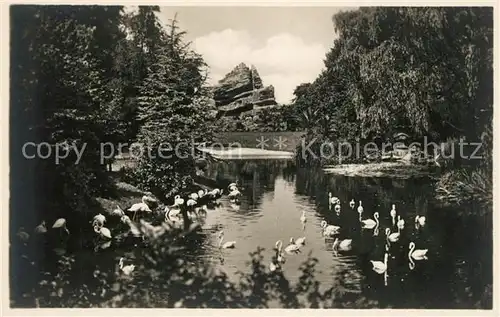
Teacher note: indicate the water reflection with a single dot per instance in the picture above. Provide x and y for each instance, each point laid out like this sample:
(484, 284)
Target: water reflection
(362, 259)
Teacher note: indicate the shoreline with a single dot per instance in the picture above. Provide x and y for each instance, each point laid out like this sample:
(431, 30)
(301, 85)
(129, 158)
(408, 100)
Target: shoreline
(400, 170)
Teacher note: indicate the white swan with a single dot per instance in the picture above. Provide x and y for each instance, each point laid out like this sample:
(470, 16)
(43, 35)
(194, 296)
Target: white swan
(337, 209)
(300, 241)
(420, 220)
(292, 248)
(393, 214)
(332, 200)
(279, 252)
(343, 245)
(379, 266)
(228, 244)
(401, 223)
(303, 218)
(352, 204)
(370, 223)
(360, 209)
(126, 269)
(419, 254)
(391, 237)
(329, 230)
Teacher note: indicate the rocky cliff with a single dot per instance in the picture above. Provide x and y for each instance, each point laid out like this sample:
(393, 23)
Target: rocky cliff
(242, 90)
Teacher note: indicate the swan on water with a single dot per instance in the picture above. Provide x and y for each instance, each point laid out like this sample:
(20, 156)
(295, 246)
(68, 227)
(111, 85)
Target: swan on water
(300, 241)
(391, 237)
(393, 214)
(337, 209)
(379, 266)
(360, 209)
(420, 220)
(401, 223)
(329, 230)
(126, 269)
(352, 204)
(332, 200)
(226, 245)
(303, 218)
(292, 248)
(279, 252)
(342, 245)
(418, 254)
(370, 223)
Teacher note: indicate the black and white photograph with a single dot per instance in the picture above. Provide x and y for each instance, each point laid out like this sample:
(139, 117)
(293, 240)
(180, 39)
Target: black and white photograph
(305, 156)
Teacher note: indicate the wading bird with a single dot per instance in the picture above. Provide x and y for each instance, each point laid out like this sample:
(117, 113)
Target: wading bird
(126, 269)
(420, 220)
(142, 207)
(60, 223)
(332, 200)
(103, 232)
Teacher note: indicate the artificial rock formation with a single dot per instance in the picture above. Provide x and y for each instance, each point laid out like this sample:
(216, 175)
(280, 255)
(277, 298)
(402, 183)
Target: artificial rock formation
(242, 90)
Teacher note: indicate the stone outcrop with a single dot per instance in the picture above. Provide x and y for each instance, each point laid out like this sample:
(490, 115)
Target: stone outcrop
(242, 90)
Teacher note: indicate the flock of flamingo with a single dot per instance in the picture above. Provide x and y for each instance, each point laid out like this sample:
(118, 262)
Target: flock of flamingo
(197, 202)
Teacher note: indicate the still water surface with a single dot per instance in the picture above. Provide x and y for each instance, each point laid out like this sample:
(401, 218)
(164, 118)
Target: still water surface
(275, 193)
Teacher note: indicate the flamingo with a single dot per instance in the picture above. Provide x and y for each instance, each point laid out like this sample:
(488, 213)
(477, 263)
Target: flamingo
(178, 201)
(380, 267)
(60, 223)
(103, 232)
(41, 228)
(228, 244)
(370, 223)
(171, 213)
(393, 214)
(193, 196)
(300, 241)
(234, 193)
(329, 230)
(142, 207)
(343, 245)
(420, 220)
(419, 254)
(99, 219)
(232, 186)
(332, 199)
(126, 269)
(118, 211)
(352, 204)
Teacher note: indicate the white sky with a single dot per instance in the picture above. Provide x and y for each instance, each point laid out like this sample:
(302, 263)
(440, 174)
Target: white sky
(286, 44)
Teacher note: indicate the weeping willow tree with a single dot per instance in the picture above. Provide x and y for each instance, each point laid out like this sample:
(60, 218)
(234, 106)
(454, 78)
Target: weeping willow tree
(426, 71)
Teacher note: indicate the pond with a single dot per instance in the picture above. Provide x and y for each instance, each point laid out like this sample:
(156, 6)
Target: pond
(453, 274)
